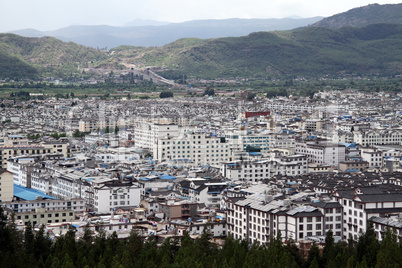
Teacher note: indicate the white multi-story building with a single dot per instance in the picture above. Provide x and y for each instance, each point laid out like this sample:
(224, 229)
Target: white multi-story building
(376, 157)
(77, 205)
(257, 218)
(373, 157)
(202, 191)
(147, 134)
(198, 148)
(111, 196)
(321, 152)
(280, 106)
(6, 185)
(20, 167)
(362, 204)
(243, 139)
(373, 137)
(343, 137)
(252, 171)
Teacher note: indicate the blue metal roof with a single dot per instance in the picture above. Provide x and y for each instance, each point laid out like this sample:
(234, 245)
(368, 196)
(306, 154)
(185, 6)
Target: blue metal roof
(29, 194)
(352, 170)
(145, 179)
(167, 177)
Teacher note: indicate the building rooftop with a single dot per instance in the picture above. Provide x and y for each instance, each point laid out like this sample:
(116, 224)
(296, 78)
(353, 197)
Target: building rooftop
(29, 194)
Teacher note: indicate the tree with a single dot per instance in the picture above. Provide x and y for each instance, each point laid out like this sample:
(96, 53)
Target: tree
(29, 238)
(251, 96)
(166, 94)
(367, 246)
(389, 254)
(209, 91)
(329, 248)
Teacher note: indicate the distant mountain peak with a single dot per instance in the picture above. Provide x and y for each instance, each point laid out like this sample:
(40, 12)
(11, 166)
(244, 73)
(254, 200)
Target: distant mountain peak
(141, 22)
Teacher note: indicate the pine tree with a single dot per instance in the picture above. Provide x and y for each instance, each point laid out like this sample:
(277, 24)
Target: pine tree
(29, 239)
(367, 246)
(389, 254)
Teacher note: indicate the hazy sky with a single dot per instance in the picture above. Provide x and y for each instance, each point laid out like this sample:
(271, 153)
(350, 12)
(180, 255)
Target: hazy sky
(54, 14)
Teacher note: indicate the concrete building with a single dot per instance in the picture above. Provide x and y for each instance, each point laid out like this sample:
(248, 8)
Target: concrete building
(148, 134)
(253, 171)
(197, 148)
(6, 185)
(363, 203)
(115, 194)
(258, 218)
(369, 138)
(321, 152)
(178, 209)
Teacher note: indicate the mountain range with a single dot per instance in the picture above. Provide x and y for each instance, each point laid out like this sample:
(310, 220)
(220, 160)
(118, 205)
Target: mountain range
(152, 33)
(309, 51)
(330, 47)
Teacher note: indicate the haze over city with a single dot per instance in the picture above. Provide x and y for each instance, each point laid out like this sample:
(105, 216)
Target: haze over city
(51, 15)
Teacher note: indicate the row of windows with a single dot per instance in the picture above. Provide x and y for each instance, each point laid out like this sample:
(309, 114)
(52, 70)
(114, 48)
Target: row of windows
(49, 215)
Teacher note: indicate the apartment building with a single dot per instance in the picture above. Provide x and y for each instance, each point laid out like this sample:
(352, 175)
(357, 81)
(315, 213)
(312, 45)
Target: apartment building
(76, 205)
(6, 185)
(205, 191)
(148, 134)
(198, 148)
(7, 152)
(369, 138)
(258, 218)
(253, 171)
(321, 152)
(116, 194)
(363, 203)
(173, 209)
(42, 211)
(243, 139)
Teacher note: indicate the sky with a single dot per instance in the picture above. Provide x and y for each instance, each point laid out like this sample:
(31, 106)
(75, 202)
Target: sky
(54, 14)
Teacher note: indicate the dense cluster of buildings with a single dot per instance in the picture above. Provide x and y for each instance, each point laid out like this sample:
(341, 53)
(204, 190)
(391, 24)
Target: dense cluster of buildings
(251, 169)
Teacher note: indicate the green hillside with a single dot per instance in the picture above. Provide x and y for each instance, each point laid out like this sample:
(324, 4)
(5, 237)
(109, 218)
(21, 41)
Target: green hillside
(364, 16)
(15, 68)
(46, 56)
(310, 51)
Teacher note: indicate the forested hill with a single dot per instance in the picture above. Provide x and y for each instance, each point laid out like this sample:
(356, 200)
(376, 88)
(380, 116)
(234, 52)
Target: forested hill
(22, 57)
(310, 51)
(363, 16)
